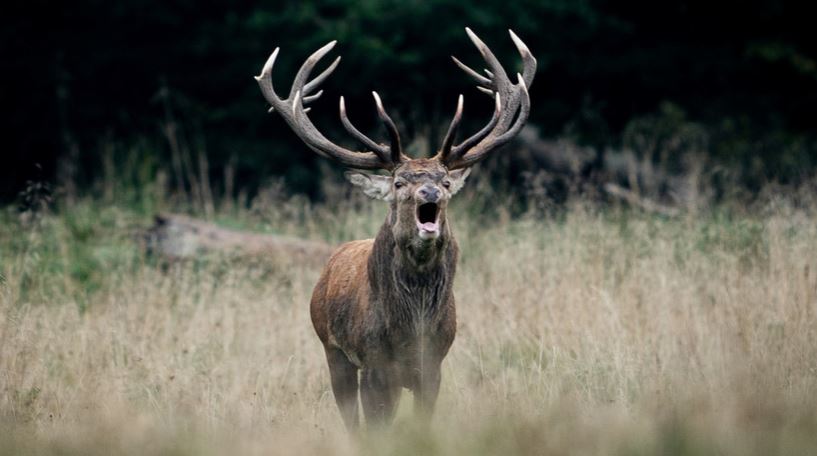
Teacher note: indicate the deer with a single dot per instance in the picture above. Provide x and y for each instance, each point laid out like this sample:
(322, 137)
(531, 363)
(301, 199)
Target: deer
(383, 308)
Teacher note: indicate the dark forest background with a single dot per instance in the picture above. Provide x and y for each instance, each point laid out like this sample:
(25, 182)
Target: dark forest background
(167, 85)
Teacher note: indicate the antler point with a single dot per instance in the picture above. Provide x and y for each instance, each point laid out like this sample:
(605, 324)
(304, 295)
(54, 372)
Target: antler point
(521, 81)
(520, 45)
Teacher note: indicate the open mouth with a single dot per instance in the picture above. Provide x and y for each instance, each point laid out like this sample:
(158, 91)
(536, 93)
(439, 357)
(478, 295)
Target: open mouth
(427, 222)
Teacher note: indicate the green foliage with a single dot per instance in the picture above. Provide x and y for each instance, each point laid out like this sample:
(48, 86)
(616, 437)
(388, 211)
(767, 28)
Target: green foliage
(77, 254)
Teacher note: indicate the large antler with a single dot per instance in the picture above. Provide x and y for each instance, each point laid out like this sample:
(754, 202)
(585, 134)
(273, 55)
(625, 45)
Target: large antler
(379, 156)
(509, 99)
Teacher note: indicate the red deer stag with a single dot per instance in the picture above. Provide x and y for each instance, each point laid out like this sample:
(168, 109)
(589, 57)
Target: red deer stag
(385, 306)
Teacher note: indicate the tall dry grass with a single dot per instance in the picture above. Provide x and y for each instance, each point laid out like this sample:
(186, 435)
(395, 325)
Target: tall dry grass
(590, 332)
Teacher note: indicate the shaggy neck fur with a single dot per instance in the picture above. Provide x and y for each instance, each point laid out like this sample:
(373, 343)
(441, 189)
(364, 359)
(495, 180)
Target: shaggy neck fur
(410, 276)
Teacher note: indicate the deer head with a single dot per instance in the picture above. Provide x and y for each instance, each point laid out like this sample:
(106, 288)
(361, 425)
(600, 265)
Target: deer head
(417, 189)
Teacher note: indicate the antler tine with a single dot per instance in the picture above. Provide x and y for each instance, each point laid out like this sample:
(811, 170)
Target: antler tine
(528, 60)
(265, 79)
(303, 73)
(493, 64)
(481, 80)
(381, 150)
(463, 147)
(311, 98)
(448, 141)
(314, 83)
(293, 112)
(394, 136)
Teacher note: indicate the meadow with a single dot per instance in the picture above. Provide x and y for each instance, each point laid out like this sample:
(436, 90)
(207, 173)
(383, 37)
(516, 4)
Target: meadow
(588, 330)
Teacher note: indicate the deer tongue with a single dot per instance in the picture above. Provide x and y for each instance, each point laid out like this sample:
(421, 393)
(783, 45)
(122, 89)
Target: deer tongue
(429, 226)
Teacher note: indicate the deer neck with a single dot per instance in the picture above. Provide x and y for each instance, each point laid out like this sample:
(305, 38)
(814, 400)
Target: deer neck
(408, 262)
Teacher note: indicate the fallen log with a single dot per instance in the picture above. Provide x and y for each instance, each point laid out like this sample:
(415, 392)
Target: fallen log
(178, 237)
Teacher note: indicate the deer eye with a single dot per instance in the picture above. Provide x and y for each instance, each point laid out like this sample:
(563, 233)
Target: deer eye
(398, 184)
(447, 184)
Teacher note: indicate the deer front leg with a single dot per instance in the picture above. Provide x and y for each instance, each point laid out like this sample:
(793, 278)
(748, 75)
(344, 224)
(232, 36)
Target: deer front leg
(379, 393)
(426, 389)
(344, 386)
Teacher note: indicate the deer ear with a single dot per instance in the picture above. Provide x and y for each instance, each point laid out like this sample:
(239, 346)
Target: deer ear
(457, 178)
(373, 185)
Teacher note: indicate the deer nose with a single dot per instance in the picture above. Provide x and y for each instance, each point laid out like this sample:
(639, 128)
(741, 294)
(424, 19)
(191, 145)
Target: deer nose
(429, 194)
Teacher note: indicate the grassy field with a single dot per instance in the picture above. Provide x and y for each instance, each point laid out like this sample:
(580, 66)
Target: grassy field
(588, 332)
